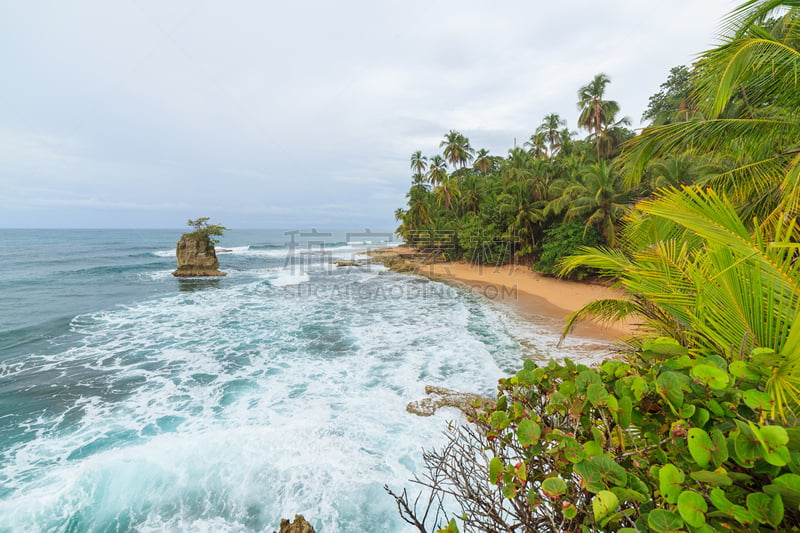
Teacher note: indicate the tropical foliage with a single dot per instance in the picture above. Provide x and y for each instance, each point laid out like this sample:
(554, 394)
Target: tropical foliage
(206, 230)
(694, 427)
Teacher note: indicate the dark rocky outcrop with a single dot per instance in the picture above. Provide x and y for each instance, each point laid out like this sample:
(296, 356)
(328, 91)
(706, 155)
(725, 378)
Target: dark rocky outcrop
(299, 525)
(196, 256)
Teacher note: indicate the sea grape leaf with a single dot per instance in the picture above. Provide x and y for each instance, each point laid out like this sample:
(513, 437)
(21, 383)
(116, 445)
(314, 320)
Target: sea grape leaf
(629, 495)
(758, 504)
(496, 468)
(719, 479)
(670, 387)
(451, 527)
(586, 378)
(720, 500)
(775, 511)
(700, 447)
(665, 346)
(592, 448)
(710, 376)
(670, 481)
(757, 400)
(692, 508)
(720, 447)
(743, 370)
(610, 472)
(591, 479)
(625, 411)
(573, 451)
(597, 394)
(604, 503)
(528, 432)
(554, 487)
(700, 417)
(664, 521)
(499, 420)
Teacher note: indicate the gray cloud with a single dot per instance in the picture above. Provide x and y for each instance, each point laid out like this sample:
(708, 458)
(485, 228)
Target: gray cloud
(260, 115)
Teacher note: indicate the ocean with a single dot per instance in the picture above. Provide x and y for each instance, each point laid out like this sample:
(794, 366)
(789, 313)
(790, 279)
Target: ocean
(134, 401)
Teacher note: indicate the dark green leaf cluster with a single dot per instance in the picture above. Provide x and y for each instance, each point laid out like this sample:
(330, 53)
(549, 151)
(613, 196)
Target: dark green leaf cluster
(562, 240)
(663, 441)
(204, 229)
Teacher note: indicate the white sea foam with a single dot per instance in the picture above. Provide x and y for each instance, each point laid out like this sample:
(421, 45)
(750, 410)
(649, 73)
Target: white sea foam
(225, 410)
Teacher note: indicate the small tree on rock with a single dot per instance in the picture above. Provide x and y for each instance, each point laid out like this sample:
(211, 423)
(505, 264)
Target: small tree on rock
(204, 229)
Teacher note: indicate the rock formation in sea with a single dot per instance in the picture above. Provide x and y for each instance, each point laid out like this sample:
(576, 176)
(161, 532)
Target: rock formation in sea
(299, 525)
(196, 256)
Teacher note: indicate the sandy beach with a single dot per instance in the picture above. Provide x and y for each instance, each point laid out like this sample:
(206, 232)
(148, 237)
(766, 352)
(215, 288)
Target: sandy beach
(528, 291)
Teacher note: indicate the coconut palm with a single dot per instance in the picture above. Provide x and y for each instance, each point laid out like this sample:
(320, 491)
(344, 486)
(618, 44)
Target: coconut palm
(596, 113)
(748, 93)
(483, 161)
(694, 271)
(523, 204)
(419, 163)
(517, 166)
(437, 170)
(598, 198)
(456, 149)
(448, 192)
(537, 145)
(551, 129)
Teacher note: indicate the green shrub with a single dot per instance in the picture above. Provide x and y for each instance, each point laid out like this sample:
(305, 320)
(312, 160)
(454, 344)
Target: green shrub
(562, 240)
(663, 441)
(482, 242)
(204, 229)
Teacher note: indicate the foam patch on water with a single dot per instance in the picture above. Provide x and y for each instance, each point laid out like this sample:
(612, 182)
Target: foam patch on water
(225, 410)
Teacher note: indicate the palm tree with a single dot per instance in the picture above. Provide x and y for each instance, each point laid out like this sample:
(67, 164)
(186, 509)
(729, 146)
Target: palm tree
(483, 161)
(517, 167)
(437, 170)
(457, 149)
(596, 113)
(600, 199)
(419, 163)
(537, 145)
(551, 129)
(523, 205)
(747, 93)
(448, 192)
(692, 270)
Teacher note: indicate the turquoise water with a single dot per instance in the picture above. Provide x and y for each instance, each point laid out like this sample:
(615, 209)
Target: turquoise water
(134, 401)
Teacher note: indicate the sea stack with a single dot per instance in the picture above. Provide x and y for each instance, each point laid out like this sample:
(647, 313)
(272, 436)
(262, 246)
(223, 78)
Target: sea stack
(196, 256)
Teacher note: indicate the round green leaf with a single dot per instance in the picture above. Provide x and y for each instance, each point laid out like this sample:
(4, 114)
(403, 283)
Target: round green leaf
(528, 432)
(710, 376)
(663, 521)
(554, 487)
(603, 504)
(757, 400)
(692, 508)
(700, 446)
(670, 482)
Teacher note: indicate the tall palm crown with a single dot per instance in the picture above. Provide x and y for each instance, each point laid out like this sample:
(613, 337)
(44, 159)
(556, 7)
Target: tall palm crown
(596, 113)
(437, 171)
(419, 163)
(483, 161)
(748, 93)
(457, 149)
(551, 129)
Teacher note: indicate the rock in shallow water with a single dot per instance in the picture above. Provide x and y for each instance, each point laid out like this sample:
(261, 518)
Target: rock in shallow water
(196, 256)
(299, 525)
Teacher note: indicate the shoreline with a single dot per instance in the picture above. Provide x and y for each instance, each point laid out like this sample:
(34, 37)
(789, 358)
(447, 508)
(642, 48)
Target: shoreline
(528, 292)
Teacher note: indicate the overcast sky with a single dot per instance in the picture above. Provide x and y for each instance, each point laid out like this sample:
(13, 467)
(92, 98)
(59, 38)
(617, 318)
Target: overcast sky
(286, 114)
